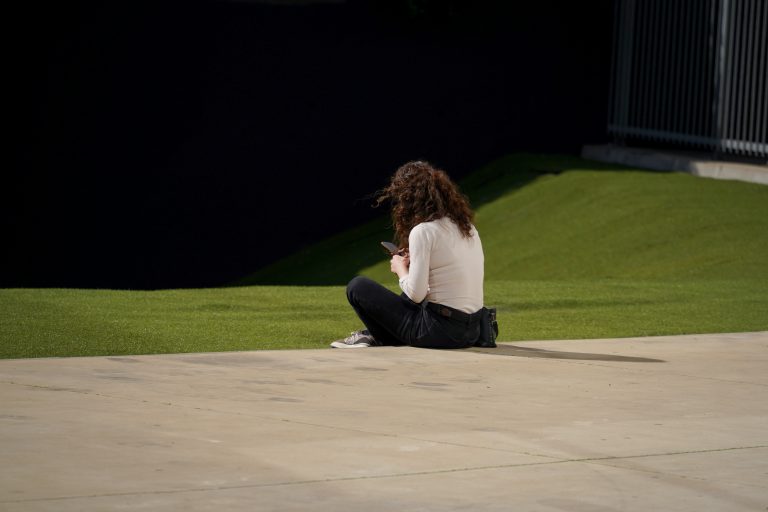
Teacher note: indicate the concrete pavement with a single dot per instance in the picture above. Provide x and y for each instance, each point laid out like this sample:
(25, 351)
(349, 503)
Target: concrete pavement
(667, 423)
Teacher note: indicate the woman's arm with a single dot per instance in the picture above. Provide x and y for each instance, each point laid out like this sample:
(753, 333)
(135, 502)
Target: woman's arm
(414, 281)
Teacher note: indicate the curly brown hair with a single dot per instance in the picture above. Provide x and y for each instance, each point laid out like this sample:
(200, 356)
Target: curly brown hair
(419, 192)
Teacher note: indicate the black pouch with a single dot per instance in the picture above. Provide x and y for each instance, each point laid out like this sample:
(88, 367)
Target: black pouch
(489, 329)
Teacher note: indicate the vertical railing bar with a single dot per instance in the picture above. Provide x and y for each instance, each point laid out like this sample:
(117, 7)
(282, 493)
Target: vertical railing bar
(710, 35)
(739, 120)
(613, 110)
(679, 111)
(739, 75)
(667, 67)
(621, 57)
(762, 82)
(696, 97)
(727, 32)
(612, 85)
(676, 67)
(688, 66)
(619, 60)
(658, 102)
(653, 55)
(719, 72)
(651, 70)
(733, 56)
(651, 66)
(632, 74)
(682, 60)
(746, 71)
(627, 62)
(673, 83)
(631, 50)
(753, 105)
(753, 66)
(733, 77)
(699, 80)
(629, 41)
(689, 82)
(753, 50)
(730, 127)
(628, 72)
(704, 106)
(663, 53)
(641, 78)
(763, 85)
(702, 78)
(709, 68)
(620, 65)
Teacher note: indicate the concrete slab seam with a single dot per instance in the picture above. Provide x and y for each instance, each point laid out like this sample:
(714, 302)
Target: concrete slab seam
(291, 421)
(377, 477)
(663, 473)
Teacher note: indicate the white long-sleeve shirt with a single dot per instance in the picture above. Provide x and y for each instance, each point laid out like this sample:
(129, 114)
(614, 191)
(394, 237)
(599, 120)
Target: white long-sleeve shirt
(445, 267)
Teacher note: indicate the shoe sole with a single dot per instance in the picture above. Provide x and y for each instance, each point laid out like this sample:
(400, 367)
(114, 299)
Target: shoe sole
(341, 344)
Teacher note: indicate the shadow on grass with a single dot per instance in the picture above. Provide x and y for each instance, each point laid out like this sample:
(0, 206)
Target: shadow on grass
(334, 261)
(511, 350)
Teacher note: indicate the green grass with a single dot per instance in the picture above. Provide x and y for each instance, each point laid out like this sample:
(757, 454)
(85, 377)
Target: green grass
(574, 249)
(58, 322)
(39, 323)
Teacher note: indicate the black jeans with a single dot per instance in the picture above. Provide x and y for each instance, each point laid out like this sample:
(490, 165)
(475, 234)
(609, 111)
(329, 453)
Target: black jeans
(396, 320)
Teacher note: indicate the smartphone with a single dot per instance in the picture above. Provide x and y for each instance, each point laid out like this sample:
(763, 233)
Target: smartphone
(390, 248)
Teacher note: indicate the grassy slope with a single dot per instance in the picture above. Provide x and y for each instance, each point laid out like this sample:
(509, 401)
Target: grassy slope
(574, 250)
(584, 224)
(567, 218)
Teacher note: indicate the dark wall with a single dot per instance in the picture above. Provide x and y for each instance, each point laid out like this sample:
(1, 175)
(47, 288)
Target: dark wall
(185, 144)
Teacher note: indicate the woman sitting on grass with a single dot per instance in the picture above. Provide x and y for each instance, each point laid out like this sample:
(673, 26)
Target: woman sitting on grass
(440, 266)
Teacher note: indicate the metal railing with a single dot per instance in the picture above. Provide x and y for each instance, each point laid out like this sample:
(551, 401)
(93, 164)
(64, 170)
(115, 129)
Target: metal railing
(692, 73)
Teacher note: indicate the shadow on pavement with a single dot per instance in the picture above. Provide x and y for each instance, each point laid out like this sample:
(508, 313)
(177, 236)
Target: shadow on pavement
(511, 350)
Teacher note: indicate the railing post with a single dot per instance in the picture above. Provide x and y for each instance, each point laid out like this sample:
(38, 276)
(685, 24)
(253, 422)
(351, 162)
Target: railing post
(719, 111)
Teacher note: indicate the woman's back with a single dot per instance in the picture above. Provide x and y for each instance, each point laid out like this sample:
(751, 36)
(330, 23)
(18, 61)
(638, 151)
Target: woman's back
(445, 266)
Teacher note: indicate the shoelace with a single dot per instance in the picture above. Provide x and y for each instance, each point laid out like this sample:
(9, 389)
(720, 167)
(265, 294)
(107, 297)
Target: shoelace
(354, 337)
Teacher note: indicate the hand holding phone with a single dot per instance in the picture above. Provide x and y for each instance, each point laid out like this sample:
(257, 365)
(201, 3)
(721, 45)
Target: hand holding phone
(393, 250)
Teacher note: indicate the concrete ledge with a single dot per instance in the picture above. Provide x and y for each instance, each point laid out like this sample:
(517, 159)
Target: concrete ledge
(684, 162)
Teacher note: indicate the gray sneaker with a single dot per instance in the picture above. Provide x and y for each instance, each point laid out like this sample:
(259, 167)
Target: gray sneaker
(358, 339)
